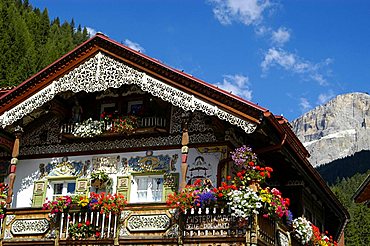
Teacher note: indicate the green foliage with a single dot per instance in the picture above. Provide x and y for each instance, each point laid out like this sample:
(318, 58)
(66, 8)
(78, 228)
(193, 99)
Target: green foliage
(29, 41)
(357, 230)
(345, 167)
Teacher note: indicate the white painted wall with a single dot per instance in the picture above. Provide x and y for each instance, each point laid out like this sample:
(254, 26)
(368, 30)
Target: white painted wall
(28, 170)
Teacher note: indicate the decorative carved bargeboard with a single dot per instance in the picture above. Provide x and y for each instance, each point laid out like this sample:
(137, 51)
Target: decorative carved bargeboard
(101, 72)
(29, 226)
(152, 222)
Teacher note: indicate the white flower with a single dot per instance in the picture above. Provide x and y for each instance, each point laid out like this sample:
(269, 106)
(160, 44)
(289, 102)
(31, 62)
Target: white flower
(244, 202)
(88, 128)
(302, 229)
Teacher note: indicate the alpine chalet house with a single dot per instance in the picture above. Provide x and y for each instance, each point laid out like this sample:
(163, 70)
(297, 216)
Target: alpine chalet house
(109, 120)
(362, 194)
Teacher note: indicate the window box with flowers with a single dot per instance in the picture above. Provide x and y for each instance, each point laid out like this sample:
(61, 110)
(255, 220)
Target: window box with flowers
(246, 197)
(104, 203)
(308, 234)
(88, 128)
(2, 209)
(242, 193)
(3, 191)
(122, 124)
(100, 180)
(82, 230)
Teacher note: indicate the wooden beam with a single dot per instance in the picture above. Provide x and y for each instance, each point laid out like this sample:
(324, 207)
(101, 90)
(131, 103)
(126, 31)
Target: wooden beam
(13, 165)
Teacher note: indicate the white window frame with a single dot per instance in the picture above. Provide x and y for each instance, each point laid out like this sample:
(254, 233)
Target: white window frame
(134, 191)
(50, 190)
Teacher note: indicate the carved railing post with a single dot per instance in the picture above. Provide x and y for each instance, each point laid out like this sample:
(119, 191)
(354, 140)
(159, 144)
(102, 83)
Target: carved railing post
(13, 165)
(184, 149)
(251, 236)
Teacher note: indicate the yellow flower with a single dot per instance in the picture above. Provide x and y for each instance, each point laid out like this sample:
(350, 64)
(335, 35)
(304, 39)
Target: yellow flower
(83, 202)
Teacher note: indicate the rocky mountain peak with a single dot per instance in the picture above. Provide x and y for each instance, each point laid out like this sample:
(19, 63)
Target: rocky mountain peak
(337, 129)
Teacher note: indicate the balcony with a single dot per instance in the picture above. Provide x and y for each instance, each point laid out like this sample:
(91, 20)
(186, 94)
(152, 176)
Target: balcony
(143, 125)
(143, 224)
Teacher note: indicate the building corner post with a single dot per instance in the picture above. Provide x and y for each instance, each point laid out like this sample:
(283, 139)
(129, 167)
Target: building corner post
(13, 165)
(184, 148)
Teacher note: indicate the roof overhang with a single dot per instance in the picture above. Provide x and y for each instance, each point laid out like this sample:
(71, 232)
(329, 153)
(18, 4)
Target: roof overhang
(101, 63)
(100, 72)
(363, 192)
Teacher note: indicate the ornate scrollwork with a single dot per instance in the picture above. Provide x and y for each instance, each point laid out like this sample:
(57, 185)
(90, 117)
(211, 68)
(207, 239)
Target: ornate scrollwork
(151, 222)
(115, 144)
(9, 218)
(101, 72)
(30, 226)
(173, 232)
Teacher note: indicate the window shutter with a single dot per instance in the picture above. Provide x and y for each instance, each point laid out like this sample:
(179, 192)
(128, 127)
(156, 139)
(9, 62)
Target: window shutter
(123, 186)
(82, 186)
(39, 193)
(170, 184)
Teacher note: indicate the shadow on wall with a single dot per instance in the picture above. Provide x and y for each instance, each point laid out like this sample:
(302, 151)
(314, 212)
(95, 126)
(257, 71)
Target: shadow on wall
(25, 185)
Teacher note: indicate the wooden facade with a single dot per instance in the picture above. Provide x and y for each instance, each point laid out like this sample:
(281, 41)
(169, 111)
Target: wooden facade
(362, 195)
(184, 129)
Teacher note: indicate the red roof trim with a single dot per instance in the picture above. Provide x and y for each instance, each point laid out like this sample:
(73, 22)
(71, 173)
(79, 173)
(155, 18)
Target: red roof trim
(103, 37)
(183, 73)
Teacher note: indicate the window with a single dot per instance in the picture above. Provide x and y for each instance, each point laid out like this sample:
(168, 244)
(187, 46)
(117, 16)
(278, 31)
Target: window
(108, 108)
(134, 107)
(146, 189)
(61, 188)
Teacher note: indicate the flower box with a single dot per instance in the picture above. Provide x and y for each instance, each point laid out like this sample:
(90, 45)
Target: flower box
(99, 184)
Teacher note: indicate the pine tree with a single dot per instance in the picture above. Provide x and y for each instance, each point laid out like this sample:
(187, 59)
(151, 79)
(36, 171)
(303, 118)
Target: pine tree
(29, 41)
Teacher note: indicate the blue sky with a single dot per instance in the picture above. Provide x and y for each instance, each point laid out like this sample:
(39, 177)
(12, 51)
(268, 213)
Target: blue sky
(287, 56)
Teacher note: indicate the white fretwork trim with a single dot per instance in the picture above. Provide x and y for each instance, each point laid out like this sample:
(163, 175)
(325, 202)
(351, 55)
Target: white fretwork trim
(101, 72)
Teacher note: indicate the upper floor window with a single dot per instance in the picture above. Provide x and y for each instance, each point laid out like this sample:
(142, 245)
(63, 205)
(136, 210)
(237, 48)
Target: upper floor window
(147, 188)
(61, 188)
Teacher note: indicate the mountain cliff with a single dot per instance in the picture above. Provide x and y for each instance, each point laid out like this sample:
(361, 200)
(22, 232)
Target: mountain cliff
(337, 129)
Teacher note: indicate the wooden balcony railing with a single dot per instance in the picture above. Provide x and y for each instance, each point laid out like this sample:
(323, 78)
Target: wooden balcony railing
(106, 225)
(143, 224)
(159, 123)
(211, 222)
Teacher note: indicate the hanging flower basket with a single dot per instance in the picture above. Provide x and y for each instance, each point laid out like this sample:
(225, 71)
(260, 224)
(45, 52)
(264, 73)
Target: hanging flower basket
(100, 180)
(98, 183)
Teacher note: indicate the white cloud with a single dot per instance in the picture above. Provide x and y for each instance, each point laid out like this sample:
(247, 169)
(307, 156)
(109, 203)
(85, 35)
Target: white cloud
(237, 84)
(91, 31)
(295, 64)
(262, 30)
(304, 104)
(281, 36)
(245, 11)
(324, 97)
(134, 46)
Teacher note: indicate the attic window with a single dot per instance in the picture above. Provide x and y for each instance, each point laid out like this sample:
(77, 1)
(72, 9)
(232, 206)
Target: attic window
(134, 107)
